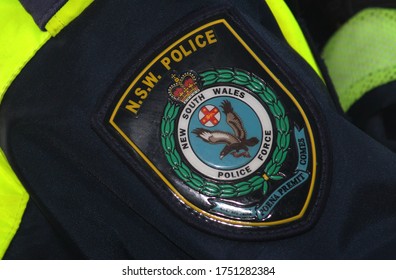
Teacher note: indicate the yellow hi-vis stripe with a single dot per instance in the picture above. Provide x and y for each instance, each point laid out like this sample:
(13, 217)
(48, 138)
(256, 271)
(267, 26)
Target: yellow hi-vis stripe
(20, 39)
(13, 200)
(292, 32)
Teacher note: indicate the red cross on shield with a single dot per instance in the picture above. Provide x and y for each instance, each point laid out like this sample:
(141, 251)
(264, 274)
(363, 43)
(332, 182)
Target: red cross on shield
(209, 115)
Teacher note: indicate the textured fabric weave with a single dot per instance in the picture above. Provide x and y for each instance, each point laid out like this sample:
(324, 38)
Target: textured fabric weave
(361, 55)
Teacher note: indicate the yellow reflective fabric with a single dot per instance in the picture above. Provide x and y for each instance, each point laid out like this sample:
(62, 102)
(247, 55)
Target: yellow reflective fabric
(292, 31)
(66, 14)
(20, 39)
(13, 200)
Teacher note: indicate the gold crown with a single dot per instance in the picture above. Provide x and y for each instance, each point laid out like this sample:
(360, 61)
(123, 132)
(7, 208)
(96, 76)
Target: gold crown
(184, 86)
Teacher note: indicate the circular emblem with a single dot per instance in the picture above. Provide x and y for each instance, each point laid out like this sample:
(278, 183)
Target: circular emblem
(238, 157)
(231, 160)
(239, 144)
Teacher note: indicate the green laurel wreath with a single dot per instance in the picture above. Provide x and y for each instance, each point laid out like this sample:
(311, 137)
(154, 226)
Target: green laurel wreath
(271, 170)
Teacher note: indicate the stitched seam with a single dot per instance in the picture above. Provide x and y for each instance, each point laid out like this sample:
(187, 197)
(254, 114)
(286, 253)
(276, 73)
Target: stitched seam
(59, 21)
(59, 27)
(44, 19)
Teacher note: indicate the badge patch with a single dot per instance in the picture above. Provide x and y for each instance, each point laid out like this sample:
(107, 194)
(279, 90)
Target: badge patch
(234, 149)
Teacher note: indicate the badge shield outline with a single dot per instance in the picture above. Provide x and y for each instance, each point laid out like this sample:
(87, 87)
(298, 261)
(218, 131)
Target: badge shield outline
(220, 223)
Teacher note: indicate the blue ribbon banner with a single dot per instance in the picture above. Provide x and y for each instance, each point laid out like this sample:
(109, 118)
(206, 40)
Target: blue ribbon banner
(262, 211)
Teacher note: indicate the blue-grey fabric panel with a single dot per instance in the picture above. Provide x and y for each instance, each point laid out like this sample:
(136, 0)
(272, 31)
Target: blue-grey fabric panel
(42, 10)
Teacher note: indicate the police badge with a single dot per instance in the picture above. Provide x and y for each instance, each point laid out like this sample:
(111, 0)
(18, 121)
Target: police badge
(232, 147)
(227, 162)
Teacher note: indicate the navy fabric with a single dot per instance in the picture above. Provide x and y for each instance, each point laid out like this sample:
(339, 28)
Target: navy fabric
(42, 10)
(90, 196)
(33, 230)
(375, 113)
